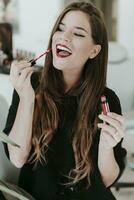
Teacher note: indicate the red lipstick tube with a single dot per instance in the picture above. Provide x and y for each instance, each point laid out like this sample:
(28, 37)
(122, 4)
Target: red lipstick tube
(33, 61)
(104, 105)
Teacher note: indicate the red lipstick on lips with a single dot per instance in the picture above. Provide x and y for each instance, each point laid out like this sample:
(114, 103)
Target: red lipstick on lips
(62, 55)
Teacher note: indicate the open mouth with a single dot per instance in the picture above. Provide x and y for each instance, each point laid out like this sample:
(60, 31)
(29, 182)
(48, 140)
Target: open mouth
(62, 51)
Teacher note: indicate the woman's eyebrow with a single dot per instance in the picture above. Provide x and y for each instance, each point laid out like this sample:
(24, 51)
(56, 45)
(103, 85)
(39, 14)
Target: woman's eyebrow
(77, 27)
(80, 28)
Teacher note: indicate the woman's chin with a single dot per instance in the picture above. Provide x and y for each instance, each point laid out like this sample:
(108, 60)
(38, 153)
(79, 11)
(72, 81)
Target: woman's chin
(58, 66)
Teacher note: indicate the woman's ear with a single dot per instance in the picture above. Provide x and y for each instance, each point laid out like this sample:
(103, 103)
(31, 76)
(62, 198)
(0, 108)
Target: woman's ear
(95, 51)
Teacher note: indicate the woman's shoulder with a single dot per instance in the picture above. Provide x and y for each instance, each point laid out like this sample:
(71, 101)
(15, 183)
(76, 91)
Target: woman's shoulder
(111, 94)
(113, 100)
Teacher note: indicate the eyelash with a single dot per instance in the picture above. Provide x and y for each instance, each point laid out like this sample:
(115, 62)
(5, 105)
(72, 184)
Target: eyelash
(79, 35)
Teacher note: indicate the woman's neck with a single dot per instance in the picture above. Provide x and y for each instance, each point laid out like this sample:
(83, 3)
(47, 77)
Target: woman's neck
(71, 78)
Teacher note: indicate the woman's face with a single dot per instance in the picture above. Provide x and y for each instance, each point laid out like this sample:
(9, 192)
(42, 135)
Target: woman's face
(72, 43)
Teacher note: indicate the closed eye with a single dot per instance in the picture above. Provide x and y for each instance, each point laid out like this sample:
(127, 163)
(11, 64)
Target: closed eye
(79, 35)
(60, 29)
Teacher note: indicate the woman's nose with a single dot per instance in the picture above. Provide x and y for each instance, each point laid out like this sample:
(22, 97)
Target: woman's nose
(65, 36)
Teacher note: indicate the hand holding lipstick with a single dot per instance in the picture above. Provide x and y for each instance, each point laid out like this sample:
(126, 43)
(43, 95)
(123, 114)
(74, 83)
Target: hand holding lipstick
(112, 128)
(112, 131)
(20, 77)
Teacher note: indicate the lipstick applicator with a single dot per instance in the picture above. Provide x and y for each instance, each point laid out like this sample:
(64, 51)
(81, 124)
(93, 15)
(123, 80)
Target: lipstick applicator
(104, 105)
(33, 61)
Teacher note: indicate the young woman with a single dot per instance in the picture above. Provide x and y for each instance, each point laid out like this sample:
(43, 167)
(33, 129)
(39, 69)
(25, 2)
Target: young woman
(69, 149)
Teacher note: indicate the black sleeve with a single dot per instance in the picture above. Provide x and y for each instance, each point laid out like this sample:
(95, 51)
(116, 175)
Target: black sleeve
(119, 151)
(14, 107)
(11, 117)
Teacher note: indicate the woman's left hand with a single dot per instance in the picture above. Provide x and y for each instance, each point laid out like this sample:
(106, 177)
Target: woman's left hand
(112, 130)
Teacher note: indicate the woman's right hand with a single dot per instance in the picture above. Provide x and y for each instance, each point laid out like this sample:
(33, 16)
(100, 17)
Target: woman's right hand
(20, 77)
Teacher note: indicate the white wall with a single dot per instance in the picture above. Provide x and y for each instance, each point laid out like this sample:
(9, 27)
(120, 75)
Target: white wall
(36, 19)
(126, 25)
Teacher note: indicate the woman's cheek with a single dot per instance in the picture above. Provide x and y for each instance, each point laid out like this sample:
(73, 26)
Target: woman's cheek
(54, 38)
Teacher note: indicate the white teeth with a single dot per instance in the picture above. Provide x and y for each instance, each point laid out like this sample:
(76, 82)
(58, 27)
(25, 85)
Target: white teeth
(63, 48)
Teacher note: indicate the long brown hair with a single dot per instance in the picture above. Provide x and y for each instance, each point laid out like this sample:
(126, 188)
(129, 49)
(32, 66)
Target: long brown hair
(51, 88)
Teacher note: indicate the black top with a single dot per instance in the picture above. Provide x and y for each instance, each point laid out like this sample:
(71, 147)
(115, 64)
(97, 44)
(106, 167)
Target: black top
(44, 182)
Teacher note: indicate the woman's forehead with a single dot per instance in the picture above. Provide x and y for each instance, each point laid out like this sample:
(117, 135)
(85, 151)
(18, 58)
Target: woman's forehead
(76, 18)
